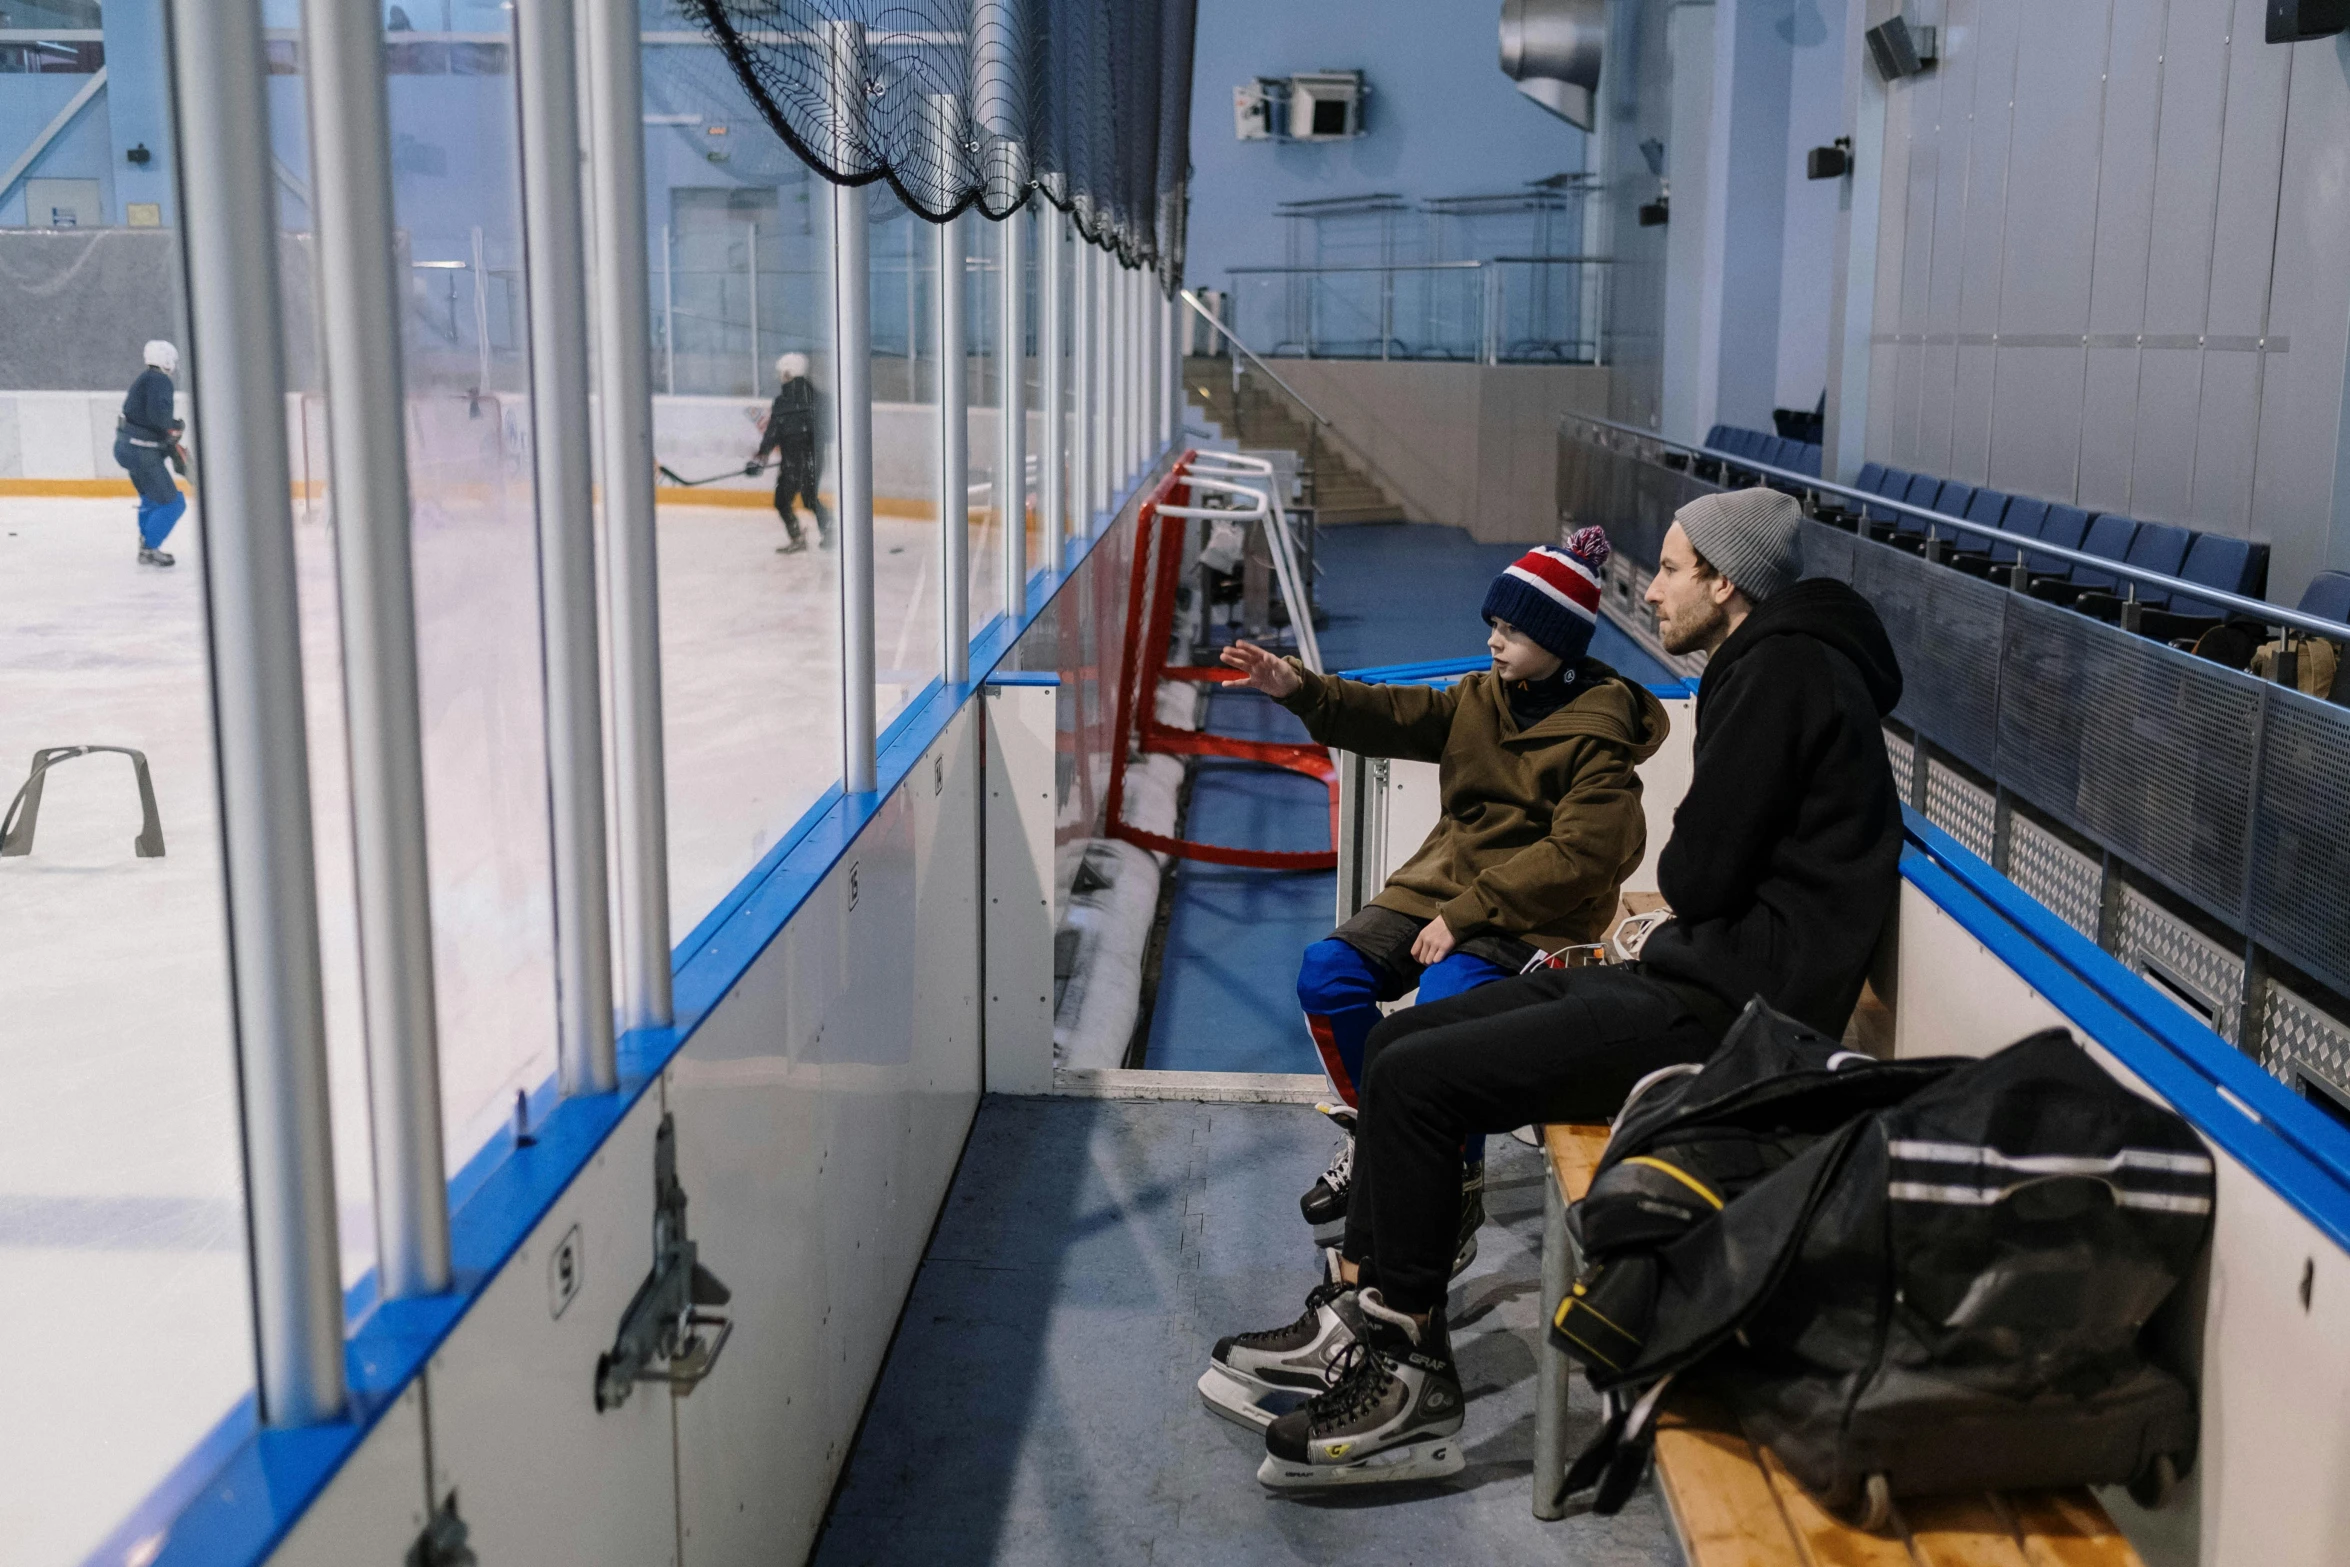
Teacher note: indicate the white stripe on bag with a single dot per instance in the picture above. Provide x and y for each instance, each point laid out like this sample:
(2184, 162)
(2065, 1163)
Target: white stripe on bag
(2050, 1164)
(1987, 1196)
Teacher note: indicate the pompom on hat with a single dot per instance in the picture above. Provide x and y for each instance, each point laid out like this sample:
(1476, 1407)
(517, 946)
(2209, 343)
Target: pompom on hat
(1551, 596)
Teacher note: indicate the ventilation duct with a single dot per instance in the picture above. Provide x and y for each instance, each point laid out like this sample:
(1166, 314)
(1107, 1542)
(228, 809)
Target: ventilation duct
(1551, 49)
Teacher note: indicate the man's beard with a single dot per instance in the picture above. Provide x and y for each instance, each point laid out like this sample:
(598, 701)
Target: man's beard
(1689, 633)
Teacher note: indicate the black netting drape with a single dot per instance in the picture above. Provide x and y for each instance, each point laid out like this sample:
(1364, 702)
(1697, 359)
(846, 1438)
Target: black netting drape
(960, 103)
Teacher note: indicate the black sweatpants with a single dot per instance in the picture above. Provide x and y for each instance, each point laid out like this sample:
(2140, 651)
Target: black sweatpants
(1555, 1045)
(795, 479)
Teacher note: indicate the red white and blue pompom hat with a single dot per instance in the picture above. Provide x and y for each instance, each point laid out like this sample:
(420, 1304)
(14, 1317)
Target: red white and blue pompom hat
(1551, 597)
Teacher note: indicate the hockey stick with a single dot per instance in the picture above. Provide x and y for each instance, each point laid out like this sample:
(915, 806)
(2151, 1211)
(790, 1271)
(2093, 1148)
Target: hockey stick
(744, 472)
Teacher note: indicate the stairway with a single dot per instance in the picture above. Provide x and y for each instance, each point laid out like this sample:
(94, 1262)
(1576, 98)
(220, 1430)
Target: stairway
(1262, 416)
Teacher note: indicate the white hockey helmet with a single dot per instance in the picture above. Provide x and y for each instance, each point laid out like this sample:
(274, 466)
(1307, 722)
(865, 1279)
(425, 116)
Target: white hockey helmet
(789, 365)
(163, 356)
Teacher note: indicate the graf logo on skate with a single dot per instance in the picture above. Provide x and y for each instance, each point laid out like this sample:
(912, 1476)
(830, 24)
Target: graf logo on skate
(1339, 1449)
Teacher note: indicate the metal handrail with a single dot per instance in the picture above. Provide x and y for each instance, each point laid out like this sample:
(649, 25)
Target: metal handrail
(1208, 316)
(2260, 610)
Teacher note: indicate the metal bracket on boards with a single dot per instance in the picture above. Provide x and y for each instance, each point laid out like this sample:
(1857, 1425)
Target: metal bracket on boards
(443, 1544)
(666, 1335)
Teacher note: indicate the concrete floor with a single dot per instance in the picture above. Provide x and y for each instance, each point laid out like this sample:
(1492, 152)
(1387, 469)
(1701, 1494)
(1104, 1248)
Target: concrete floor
(1038, 1405)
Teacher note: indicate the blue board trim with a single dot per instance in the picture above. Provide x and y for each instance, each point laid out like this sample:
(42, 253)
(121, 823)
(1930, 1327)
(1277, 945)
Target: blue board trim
(1430, 671)
(232, 1500)
(2194, 1075)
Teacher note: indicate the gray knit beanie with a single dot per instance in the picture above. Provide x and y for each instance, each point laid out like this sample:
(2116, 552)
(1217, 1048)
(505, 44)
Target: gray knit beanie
(1754, 537)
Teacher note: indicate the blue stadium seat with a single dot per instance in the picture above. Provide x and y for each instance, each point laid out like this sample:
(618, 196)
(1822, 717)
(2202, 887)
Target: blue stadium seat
(1893, 484)
(2236, 566)
(1954, 498)
(1872, 478)
(2065, 527)
(2109, 535)
(2156, 546)
(1977, 556)
(2328, 596)
(1807, 459)
(1718, 437)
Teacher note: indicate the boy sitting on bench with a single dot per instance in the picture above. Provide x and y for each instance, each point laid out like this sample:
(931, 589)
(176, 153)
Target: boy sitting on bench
(1541, 824)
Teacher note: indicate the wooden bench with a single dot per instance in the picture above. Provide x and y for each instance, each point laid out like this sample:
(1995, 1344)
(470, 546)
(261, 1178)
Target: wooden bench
(1731, 1502)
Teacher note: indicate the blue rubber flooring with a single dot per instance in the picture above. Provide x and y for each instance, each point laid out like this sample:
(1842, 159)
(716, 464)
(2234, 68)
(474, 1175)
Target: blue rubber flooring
(1397, 593)
(1038, 1405)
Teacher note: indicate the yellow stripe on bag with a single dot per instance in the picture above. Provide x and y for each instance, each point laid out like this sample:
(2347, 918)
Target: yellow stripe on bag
(1683, 1176)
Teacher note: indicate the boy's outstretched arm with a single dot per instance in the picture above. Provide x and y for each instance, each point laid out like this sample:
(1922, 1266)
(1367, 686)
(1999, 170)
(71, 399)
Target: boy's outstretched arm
(1597, 835)
(1407, 721)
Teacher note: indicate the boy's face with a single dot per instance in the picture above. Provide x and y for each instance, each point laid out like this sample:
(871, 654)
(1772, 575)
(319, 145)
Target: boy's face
(1518, 657)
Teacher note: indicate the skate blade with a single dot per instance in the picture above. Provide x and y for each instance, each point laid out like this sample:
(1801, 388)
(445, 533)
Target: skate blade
(1243, 1403)
(1433, 1460)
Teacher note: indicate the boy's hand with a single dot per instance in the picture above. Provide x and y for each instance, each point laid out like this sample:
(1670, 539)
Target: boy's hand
(1434, 943)
(1260, 670)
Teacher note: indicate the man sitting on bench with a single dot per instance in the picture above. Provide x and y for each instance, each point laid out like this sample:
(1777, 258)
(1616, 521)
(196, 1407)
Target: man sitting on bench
(1781, 871)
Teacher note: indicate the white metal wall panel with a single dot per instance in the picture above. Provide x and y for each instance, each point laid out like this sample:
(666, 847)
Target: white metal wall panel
(2036, 421)
(1020, 751)
(2295, 502)
(540, 1475)
(2186, 172)
(820, 1111)
(2252, 145)
(2052, 211)
(2170, 399)
(2226, 436)
(2132, 111)
(375, 1507)
(2109, 429)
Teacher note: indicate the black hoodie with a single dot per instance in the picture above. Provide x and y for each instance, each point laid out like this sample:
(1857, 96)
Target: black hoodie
(1784, 860)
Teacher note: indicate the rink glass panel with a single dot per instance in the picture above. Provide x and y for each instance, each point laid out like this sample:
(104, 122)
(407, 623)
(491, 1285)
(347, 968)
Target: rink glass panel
(906, 539)
(982, 325)
(750, 637)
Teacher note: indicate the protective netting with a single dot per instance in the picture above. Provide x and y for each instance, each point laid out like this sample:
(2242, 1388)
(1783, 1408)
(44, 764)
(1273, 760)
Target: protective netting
(960, 103)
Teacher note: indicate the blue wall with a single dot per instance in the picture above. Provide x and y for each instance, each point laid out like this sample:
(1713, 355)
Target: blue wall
(1442, 120)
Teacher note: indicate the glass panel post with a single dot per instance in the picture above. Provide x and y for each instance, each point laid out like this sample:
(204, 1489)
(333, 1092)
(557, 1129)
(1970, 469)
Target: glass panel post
(1105, 433)
(1080, 383)
(954, 388)
(1011, 483)
(852, 361)
(616, 160)
(359, 323)
(1051, 336)
(228, 238)
(555, 288)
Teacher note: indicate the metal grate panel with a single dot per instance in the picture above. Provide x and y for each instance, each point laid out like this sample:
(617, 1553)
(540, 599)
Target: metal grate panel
(1945, 628)
(1960, 808)
(1904, 758)
(1827, 552)
(2155, 942)
(2136, 746)
(2295, 1034)
(2053, 871)
(2301, 855)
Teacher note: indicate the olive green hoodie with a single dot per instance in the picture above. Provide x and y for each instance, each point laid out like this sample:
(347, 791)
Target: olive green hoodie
(1540, 826)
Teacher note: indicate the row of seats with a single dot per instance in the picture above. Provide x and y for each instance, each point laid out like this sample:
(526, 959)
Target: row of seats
(2232, 565)
(1796, 456)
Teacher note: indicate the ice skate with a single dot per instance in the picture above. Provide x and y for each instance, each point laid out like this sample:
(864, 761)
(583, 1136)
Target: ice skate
(1325, 1201)
(1248, 1369)
(798, 546)
(155, 558)
(1393, 1414)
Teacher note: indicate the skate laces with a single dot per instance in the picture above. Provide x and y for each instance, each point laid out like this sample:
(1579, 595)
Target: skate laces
(1319, 1296)
(1359, 1378)
(1342, 1165)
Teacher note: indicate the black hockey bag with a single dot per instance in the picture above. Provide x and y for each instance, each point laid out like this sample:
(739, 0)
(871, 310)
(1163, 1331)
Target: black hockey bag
(1948, 1293)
